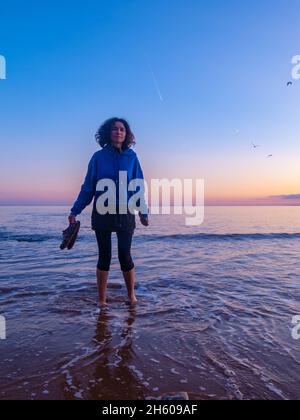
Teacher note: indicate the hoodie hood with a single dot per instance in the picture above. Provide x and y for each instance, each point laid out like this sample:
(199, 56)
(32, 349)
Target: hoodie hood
(113, 150)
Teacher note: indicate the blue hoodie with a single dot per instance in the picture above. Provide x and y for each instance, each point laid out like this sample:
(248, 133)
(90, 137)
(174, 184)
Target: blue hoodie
(106, 163)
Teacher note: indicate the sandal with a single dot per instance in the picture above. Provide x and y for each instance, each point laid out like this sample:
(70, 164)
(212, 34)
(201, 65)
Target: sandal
(70, 235)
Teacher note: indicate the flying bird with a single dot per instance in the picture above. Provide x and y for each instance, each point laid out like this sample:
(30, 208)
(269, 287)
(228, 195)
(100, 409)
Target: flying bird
(289, 83)
(269, 156)
(255, 146)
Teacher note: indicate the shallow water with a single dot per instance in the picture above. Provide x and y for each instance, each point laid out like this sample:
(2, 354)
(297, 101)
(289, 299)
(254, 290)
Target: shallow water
(214, 318)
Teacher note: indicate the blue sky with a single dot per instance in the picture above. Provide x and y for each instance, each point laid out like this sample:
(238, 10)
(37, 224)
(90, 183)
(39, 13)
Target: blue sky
(221, 67)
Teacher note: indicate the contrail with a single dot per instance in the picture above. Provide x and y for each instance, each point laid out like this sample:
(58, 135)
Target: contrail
(154, 79)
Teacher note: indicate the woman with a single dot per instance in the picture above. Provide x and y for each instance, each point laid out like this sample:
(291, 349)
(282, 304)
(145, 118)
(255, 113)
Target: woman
(116, 138)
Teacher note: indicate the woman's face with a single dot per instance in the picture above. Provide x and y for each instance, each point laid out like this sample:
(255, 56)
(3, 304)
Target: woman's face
(118, 134)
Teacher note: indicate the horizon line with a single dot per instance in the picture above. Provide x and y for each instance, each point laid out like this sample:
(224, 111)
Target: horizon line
(172, 206)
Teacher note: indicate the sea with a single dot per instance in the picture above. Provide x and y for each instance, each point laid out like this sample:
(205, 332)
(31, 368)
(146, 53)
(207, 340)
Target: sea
(217, 313)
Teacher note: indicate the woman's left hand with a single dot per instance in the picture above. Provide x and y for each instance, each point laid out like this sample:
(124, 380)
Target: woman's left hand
(144, 220)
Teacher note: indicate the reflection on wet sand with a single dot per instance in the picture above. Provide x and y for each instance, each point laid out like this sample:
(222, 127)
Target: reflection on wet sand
(109, 368)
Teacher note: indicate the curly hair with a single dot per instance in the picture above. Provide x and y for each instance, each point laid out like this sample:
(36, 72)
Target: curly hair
(103, 134)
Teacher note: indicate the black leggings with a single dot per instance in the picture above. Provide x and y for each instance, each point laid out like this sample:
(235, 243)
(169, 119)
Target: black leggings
(124, 247)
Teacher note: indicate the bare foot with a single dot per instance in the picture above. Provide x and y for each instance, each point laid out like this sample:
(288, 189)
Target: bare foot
(102, 305)
(132, 301)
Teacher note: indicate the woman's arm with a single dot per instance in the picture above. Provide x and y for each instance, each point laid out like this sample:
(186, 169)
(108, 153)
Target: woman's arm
(145, 211)
(88, 189)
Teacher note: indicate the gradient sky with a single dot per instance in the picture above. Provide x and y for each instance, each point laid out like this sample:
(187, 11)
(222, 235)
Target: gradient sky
(221, 67)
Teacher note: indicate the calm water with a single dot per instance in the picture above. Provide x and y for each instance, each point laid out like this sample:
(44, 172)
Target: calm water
(214, 319)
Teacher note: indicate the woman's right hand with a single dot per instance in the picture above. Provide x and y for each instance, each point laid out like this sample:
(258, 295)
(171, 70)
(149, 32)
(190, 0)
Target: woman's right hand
(72, 219)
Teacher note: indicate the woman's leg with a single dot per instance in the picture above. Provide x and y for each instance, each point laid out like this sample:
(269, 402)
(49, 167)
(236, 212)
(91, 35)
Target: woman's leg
(103, 266)
(129, 278)
(102, 278)
(126, 262)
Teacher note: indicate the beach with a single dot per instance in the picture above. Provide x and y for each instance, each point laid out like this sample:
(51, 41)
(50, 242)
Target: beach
(214, 317)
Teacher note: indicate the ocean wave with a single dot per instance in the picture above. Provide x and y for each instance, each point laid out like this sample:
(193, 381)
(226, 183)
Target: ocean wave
(224, 237)
(11, 236)
(7, 236)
